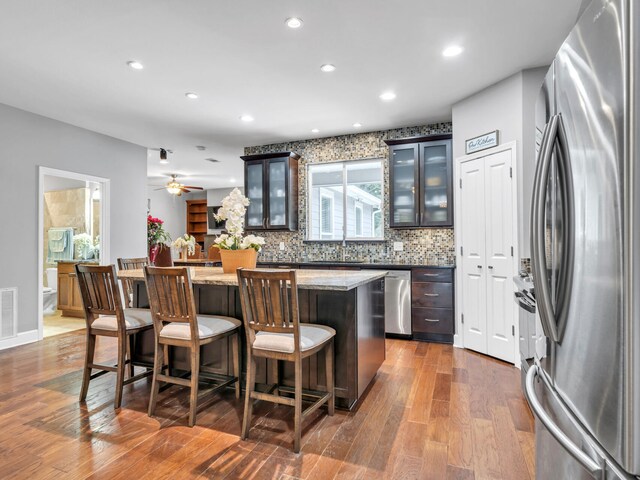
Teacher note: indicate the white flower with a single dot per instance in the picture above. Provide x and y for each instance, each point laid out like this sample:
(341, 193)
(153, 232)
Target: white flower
(233, 210)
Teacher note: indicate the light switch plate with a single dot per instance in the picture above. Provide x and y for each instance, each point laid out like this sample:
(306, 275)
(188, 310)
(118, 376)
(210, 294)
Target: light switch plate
(281, 245)
(398, 246)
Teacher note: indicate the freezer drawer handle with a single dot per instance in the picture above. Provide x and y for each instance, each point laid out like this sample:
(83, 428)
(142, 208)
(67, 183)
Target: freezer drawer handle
(431, 320)
(431, 294)
(596, 470)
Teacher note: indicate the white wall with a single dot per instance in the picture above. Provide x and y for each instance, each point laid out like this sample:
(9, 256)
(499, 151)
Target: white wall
(28, 141)
(169, 208)
(507, 106)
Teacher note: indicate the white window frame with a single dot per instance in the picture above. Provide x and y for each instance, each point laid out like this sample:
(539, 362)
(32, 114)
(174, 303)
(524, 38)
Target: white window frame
(373, 220)
(345, 237)
(324, 195)
(355, 214)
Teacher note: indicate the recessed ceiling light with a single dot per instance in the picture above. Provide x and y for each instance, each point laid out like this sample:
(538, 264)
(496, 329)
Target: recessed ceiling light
(135, 65)
(388, 96)
(164, 162)
(202, 148)
(452, 51)
(191, 95)
(232, 180)
(293, 22)
(246, 118)
(327, 67)
(357, 125)
(315, 130)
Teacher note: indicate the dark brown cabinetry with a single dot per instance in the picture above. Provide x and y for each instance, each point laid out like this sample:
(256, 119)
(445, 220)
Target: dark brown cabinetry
(271, 184)
(432, 295)
(421, 182)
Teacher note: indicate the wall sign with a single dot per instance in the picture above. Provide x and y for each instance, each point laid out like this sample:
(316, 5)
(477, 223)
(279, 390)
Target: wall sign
(482, 142)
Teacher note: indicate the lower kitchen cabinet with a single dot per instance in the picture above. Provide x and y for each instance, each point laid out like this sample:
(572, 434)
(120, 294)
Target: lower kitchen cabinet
(69, 299)
(432, 301)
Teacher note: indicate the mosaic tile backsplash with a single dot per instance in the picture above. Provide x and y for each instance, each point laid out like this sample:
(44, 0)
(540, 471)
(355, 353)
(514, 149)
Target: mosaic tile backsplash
(425, 246)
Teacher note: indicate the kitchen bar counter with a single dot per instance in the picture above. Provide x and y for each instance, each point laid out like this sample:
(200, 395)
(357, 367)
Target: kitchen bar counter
(307, 279)
(350, 302)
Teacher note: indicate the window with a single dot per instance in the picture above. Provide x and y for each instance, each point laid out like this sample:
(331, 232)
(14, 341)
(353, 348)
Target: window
(345, 201)
(358, 214)
(326, 214)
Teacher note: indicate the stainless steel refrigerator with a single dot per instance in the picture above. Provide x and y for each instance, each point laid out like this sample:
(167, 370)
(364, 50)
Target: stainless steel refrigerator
(584, 388)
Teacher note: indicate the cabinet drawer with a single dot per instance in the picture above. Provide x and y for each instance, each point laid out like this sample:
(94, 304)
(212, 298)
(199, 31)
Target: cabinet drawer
(432, 294)
(432, 320)
(432, 275)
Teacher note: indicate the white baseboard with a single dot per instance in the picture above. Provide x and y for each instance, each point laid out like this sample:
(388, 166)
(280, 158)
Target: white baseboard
(457, 341)
(21, 339)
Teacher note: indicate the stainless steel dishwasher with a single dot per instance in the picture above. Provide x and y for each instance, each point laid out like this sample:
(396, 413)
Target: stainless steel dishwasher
(397, 303)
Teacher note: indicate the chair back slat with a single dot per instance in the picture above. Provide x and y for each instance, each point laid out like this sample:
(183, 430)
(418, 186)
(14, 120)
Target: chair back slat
(99, 291)
(269, 300)
(127, 283)
(171, 297)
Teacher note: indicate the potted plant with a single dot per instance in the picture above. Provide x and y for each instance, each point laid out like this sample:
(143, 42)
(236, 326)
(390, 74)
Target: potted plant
(157, 237)
(236, 249)
(186, 244)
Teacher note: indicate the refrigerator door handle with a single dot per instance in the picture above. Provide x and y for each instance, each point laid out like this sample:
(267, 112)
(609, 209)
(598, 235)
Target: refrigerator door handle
(538, 260)
(565, 277)
(595, 469)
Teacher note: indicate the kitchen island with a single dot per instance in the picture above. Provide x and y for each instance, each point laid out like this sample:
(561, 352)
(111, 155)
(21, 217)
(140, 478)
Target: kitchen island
(351, 302)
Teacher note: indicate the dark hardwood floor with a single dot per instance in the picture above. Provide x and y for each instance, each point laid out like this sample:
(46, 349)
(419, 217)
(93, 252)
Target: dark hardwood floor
(433, 412)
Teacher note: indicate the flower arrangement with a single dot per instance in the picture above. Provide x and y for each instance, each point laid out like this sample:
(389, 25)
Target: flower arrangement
(156, 234)
(234, 206)
(83, 246)
(186, 241)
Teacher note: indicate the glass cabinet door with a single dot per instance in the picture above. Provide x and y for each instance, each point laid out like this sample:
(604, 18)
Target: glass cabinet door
(403, 195)
(255, 193)
(277, 193)
(436, 192)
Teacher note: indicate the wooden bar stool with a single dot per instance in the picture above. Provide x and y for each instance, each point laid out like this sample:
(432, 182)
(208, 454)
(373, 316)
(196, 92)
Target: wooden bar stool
(127, 283)
(269, 302)
(197, 252)
(105, 316)
(177, 324)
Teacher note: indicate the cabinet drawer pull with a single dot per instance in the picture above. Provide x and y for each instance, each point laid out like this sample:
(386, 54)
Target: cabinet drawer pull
(431, 320)
(431, 274)
(431, 294)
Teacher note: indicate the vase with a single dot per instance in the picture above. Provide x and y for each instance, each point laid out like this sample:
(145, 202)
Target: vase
(234, 259)
(184, 253)
(153, 252)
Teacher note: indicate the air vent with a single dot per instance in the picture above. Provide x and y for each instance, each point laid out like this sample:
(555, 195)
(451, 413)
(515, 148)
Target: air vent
(8, 312)
(212, 160)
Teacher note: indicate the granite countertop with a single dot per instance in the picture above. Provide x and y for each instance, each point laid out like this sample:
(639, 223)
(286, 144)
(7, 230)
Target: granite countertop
(337, 263)
(307, 279)
(90, 261)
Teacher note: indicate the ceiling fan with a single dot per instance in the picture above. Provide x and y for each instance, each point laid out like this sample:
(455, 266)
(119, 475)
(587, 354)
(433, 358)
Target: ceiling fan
(176, 188)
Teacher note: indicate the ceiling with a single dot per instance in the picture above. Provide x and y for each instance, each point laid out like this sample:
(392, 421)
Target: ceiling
(67, 59)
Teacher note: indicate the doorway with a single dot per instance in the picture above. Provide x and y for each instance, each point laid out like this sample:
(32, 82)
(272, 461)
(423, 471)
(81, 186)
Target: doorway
(73, 227)
(486, 229)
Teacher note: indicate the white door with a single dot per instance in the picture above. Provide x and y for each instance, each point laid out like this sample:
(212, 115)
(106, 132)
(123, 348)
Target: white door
(472, 225)
(499, 256)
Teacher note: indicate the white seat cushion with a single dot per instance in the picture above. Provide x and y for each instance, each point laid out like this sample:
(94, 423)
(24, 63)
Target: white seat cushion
(310, 336)
(133, 318)
(208, 326)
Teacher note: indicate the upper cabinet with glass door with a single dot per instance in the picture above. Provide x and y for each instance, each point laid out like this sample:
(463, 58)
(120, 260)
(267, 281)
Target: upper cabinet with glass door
(271, 184)
(420, 174)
